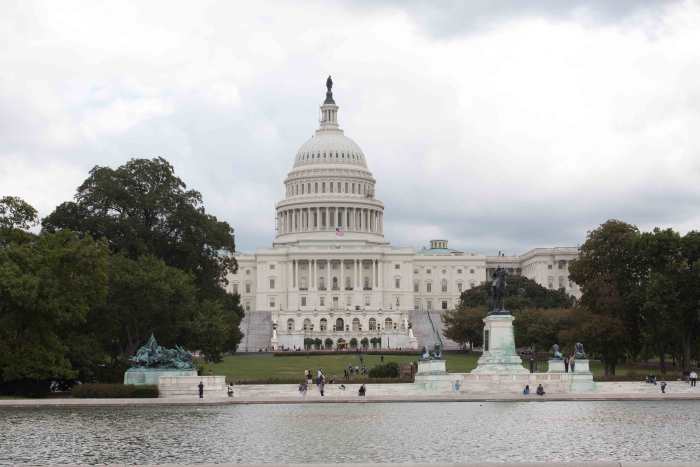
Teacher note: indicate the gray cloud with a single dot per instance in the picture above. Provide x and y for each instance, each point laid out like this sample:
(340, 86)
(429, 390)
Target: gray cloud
(525, 133)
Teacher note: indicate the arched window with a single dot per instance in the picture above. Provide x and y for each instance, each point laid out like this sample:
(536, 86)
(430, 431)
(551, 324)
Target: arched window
(302, 283)
(372, 324)
(335, 283)
(339, 324)
(388, 324)
(290, 324)
(307, 325)
(444, 285)
(356, 324)
(366, 283)
(348, 284)
(324, 324)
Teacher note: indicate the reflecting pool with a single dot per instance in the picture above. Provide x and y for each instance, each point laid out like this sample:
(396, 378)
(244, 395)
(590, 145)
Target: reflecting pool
(387, 432)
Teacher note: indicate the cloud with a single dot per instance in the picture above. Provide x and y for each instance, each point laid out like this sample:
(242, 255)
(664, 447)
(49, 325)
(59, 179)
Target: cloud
(508, 128)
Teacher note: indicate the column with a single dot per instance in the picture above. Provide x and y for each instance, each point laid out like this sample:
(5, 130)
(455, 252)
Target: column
(374, 266)
(290, 274)
(379, 274)
(296, 274)
(342, 282)
(315, 263)
(354, 274)
(328, 222)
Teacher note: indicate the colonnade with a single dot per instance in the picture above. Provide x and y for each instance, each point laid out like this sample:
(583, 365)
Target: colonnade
(309, 277)
(315, 219)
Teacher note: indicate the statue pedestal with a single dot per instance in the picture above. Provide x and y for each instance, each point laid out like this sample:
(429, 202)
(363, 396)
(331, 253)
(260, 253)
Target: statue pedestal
(499, 355)
(432, 375)
(581, 378)
(152, 375)
(556, 365)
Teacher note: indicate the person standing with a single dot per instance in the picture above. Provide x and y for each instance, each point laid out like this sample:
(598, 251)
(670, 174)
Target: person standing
(321, 386)
(572, 363)
(566, 364)
(693, 379)
(201, 389)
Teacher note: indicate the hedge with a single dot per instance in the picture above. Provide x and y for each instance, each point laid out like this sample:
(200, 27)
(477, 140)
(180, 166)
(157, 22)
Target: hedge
(108, 391)
(387, 370)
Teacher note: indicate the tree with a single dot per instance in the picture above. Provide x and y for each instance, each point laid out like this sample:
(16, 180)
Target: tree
(318, 342)
(521, 293)
(308, 342)
(364, 342)
(542, 328)
(353, 343)
(15, 213)
(142, 209)
(328, 343)
(48, 284)
(465, 325)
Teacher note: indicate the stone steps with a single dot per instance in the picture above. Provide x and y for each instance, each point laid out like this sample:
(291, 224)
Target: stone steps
(257, 329)
(424, 331)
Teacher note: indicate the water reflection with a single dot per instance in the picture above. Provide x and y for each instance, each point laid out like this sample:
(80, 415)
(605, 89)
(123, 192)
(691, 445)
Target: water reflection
(395, 432)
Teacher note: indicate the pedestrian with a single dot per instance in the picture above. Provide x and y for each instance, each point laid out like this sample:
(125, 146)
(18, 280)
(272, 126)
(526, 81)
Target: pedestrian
(362, 391)
(572, 363)
(526, 391)
(321, 386)
(346, 374)
(566, 364)
(201, 389)
(540, 390)
(229, 389)
(532, 363)
(309, 374)
(693, 379)
(663, 387)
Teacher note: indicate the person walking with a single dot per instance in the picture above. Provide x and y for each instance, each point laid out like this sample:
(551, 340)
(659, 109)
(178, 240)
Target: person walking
(321, 386)
(566, 364)
(572, 363)
(201, 389)
(663, 387)
(693, 378)
(309, 374)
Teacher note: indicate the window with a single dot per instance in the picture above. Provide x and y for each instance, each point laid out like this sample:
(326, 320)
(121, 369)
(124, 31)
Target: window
(316, 187)
(235, 288)
(330, 186)
(346, 187)
(397, 266)
(290, 324)
(247, 306)
(356, 324)
(388, 324)
(272, 284)
(429, 305)
(459, 287)
(444, 304)
(307, 325)
(398, 301)
(272, 302)
(397, 283)
(549, 266)
(444, 271)
(323, 187)
(322, 300)
(247, 272)
(247, 287)
(428, 287)
(444, 285)
(272, 267)
(471, 271)
(321, 283)
(416, 286)
(335, 283)
(415, 271)
(416, 305)
(324, 324)
(366, 283)
(372, 324)
(367, 300)
(348, 284)
(427, 271)
(303, 300)
(339, 324)
(459, 271)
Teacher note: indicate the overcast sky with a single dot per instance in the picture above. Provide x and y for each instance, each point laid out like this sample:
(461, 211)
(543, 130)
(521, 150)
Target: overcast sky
(497, 125)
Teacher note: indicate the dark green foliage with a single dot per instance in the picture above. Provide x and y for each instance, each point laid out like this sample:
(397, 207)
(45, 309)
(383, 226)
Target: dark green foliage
(15, 213)
(111, 391)
(386, 370)
(465, 324)
(521, 293)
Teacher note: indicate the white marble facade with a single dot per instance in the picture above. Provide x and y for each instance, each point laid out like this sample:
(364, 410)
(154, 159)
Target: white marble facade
(331, 275)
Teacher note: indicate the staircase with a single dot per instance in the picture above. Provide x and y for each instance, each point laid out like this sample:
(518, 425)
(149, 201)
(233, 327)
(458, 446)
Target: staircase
(257, 329)
(423, 330)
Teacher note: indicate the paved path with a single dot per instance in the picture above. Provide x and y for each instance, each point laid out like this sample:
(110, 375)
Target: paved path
(313, 398)
(481, 464)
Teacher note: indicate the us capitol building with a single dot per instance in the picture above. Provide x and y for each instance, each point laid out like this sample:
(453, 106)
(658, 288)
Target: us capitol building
(332, 277)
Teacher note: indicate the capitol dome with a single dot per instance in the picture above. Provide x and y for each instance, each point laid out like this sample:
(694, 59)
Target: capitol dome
(329, 193)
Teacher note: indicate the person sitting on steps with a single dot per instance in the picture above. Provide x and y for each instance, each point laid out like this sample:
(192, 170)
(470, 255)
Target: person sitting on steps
(540, 390)
(526, 391)
(362, 391)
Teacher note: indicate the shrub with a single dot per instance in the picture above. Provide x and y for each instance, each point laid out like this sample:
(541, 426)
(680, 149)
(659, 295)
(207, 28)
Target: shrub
(387, 370)
(108, 391)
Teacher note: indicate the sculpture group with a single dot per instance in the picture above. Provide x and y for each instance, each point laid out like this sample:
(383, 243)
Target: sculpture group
(152, 355)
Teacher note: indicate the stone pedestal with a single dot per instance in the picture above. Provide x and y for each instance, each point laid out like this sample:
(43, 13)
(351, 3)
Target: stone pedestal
(556, 365)
(432, 376)
(152, 375)
(581, 378)
(499, 355)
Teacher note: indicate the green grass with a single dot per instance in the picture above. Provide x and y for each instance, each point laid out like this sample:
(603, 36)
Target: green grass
(266, 367)
(258, 367)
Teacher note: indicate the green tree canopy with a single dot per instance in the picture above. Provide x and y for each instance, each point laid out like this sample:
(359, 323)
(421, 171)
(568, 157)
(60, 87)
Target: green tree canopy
(521, 293)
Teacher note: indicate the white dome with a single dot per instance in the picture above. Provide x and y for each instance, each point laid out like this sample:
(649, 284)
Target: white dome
(330, 147)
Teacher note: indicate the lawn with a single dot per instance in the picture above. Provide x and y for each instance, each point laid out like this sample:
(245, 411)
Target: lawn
(261, 367)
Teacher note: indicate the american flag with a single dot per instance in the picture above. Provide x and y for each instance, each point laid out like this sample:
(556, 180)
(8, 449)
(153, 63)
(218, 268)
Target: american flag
(339, 232)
